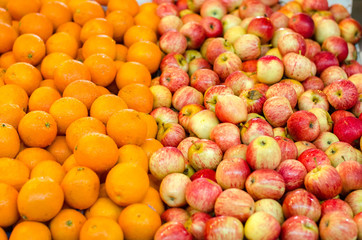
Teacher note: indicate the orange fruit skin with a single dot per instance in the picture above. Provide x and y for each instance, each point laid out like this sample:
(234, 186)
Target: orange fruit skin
(137, 97)
(133, 72)
(130, 6)
(100, 228)
(83, 90)
(104, 207)
(13, 172)
(19, 8)
(51, 62)
(104, 106)
(87, 10)
(9, 141)
(32, 156)
(96, 26)
(37, 230)
(14, 94)
(29, 48)
(8, 36)
(48, 169)
(42, 98)
(11, 114)
(133, 154)
(153, 199)
(102, 68)
(3, 235)
(99, 44)
(60, 149)
(147, 53)
(121, 22)
(138, 33)
(57, 12)
(36, 23)
(8, 205)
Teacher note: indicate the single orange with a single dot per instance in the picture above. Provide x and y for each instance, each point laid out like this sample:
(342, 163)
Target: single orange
(29, 48)
(147, 53)
(150, 146)
(102, 69)
(51, 62)
(8, 36)
(8, 207)
(148, 19)
(138, 97)
(87, 10)
(138, 33)
(37, 231)
(11, 114)
(151, 123)
(48, 169)
(69, 163)
(59, 149)
(14, 94)
(48, 83)
(72, 4)
(100, 228)
(104, 207)
(121, 22)
(57, 12)
(134, 155)
(32, 156)
(83, 90)
(36, 23)
(73, 29)
(42, 98)
(133, 72)
(102, 91)
(7, 59)
(62, 42)
(130, 6)
(19, 8)
(121, 53)
(99, 44)
(3, 235)
(153, 200)
(13, 172)
(104, 106)
(96, 26)
(9, 141)
(148, 7)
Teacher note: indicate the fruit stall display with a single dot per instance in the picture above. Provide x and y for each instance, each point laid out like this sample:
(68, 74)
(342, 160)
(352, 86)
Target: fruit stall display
(188, 119)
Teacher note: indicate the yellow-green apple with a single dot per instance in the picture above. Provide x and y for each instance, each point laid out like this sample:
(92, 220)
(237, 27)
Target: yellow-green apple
(277, 111)
(349, 130)
(198, 63)
(339, 152)
(299, 228)
(324, 119)
(337, 225)
(185, 144)
(166, 160)
(265, 183)
(324, 182)
(189, 171)
(254, 128)
(204, 154)
(352, 67)
(170, 134)
(254, 99)
(232, 173)
(213, 94)
(196, 224)
(245, 22)
(202, 79)
(339, 114)
(351, 175)
(202, 123)
(357, 109)
(261, 27)
(174, 60)
(204, 173)
(175, 215)
(312, 48)
(191, 54)
(224, 227)
(174, 78)
(262, 225)
(292, 42)
(278, 33)
(247, 47)
(213, 8)
(324, 140)
(293, 173)
(337, 46)
(357, 80)
(227, 63)
(271, 207)
(300, 202)
(263, 153)
(354, 201)
(162, 96)
(225, 135)
(238, 151)
(325, 59)
(280, 132)
(342, 94)
(231, 108)
(319, 16)
(172, 189)
(202, 193)
(358, 220)
(254, 115)
(169, 23)
(274, 52)
(326, 28)
(312, 158)
(303, 126)
(228, 21)
(164, 115)
(339, 12)
(270, 69)
(172, 230)
(279, 20)
(302, 24)
(313, 99)
(238, 81)
(216, 47)
(287, 148)
(352, 52)
(351, 30)
(298, 67)
(336, 205)
(304, 145)
(359, 154)
(285, 90)
(332, 74)
(253, 8)
(165, 9)
(173, 42)
(212, 26)
(186, 95)
(194, 33)
(234, 33)
(314, 83)
(236, 203)
(186, 114)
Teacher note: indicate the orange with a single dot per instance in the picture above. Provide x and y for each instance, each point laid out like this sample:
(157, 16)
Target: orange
(148, 7)
(102, 91)
(101, 228)
(102, 2)
(147, 19)
(72, 4)
(3, 235)
(81, 127)
(104, 106)
(99, 44)
(147, 53)
(138, 97)
(70, 71)
(42, 98)
(5, 16)
(121, 22)
(62, 42)
(37, 129)
(7, 59)
(150, 146)
(59, 149)
(11, 114)
(72, 28)
(81, 187)
(48, 169)
(19, 8)
(134, 155)
(87, 10)
(30, 230)
(130, 6)
(69, 163)
(127, 127)
(96, 26)
(9, 141)
(15, 25)
(138, 33)
(32, 156)
(97, 151)
(121, 52)
(14, 94)
(133, 72)
(83, 90)
(151, 123)
(66, 110)
(67, 224)
(154, 201)
(29, 48)
(102, 69)
(8, 206)
(118, 65)
(48, 83)
(57, 12)
(104, 207)
(24, 75)
(8, 36)
(139, 221)
(36, 23)
(51, 62)
(13, 172)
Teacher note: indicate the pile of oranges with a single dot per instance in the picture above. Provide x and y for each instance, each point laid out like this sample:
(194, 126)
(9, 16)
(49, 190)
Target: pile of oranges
(75, 129)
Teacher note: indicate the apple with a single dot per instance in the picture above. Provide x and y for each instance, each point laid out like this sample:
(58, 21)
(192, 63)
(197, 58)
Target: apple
(232, 173)
(313, 99)
(225, 135)
(271, 207)
(292, 42)
(314, 83)
(164, 115)
(339, 152)
(319, 16)
(162, 96)
(279, 20)
(302, 24)
(263, 153)
(298, 67)
(202, 193)
(196, 64)
(204, 154)
(169, 23)
(270, 69)
(184, 145)
(250, 66)
(299, 202)
(196, 224)
(231, 5)
(186, 95)
(285, 90)
(204, 46)
(212, 26)
(324, 119)
(253, 8)
(254, 128)
(175, 215)
(351, 30)
(303, 145)
(296, 85)
(262, 225)
(351, 175)
(299, 228)
(265, 183)
(337, 225)
(324, 140)
(342, 94)
(166, 160)
(254, 99)
(229, 20)
(354, 201)
(213, 8)
(303, 126)
(187, 112)
(166, 9)
(323, 60)
(325, 29)
(202, 123)
(181, 5)
(351, 67)
(280, 132)
(174, 60)
(312, 48)
(348, 129)
(238, 151)
(352, 52)
(204, 173)
(339, 12)
(194, 33)
(357, 109)
(287, 147)
(310, 5)
(293, 172)
(277, 110)
(260, 86)
(191, 54)
(337, 46)
(247, 47)
(174, 78)
(357, 80)
(278, 33)
(261, 27)
(332, 74)
(231, 108)
(216, 47)
(234, 33)
(172, 189)
(336, 205)
(173, 42)
(238, 81)
(226, 63)
(213, 94)
(223, 227)
(339, 114)
(172, 230)
(312, 158)
(170, 134)
(358, 220)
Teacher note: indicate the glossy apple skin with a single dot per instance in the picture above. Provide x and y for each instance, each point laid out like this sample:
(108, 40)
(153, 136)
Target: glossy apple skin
(351, 175)
(270, 69)
(302, 24)
(324, 140)
(186, 95)
(299, 228)
(186, 113)
(262, 225)
(351, 30)
(332, 74)
(175, 215)
(279, 20)
(232, 173)
(311, 158)
(336, 205)
(271, 207)
(224, 227)
(227, 63)
(313, 83)
(336, 225)
(354, 201)
(358, 220)
(194, 33)
(292, 42)
(254, 99)
(196, 224)
(348, 129)
(211, 95)
(313, 99)
(238, 151)
(231, 109)
(263, 152)
(173, 42)
(254, 128)
(202, 79)
(339, 152)
(342, 94)
(202, 123)
(312, 48)
(339, 114)
(174, 60)
(164, 115)
(277, 111)
(198, 63)
(303, 126)
(166, 160)
(261, 27)
(212, 26)
(247, 47)
(239, 81)
(172, 189)
(300, 202)
(265, 183)
(337, 46)
(204, 154)
(323, 60)
(293, 173)
(225, 135)
(174, 78)
(172, 230)
(216, 47)
(285, 90)
(287, 148)
(170, 134)
(204, 173)
(298, 67)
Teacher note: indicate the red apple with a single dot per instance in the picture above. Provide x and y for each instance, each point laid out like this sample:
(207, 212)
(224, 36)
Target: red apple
(213, 93)
(302, 24)
(172, 189)
(196, 224)
(232, 173)
(166, 160)
(225, 135)
(298, 67)
(169, 23)
(311, 158)
(284, 90)
(170, 134)
(261, 27)
(196, 64)
(174, 78)
(213, 8)
(216, 47)
(336, 225)
(223, 227)
(195, 5)
(172, 230)
(231, 108)
(238, 151)
(287, 147)
(348, 129)
(336, 205)
(313, 99)
(263, 153)
(166, 9)
(254, 99)
(185, 144)
(279, 20)
(271, 207)
(296, 85)
(278, 33)
(238, 81)
(310, 5)
(231, 5)
(174, 60)
(262, 225)
(352, 52)
(277, 111)
(357, 109)
(227, 63)
(326, 28)
(351, 175)
(194, 33)
(186, 95)
(292, 42)
(354, 201)
(254, 128)
(332, 74)
(212, 26)
(352, 67)
(293, 173)
(175, 215)
(339, 12)
(339, 114)
(324, 119)
(337, 46)
(341, 94)
(250, 65)
(351, 30)
(299, 228)
(303, 126)
(253, 8)
(358, 220)
(173, 42)
(164, 115)
(247, 47)
(324, 140)
(324, 60)
(204, 154)
(313, 83)
(204, 173)
(304, 145)
(312, 48)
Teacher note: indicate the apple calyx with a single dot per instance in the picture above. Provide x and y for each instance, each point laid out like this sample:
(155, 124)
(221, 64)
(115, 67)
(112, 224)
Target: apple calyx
(254, 95)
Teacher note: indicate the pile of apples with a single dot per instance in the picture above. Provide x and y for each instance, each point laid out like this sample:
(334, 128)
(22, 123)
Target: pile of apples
(259, 109)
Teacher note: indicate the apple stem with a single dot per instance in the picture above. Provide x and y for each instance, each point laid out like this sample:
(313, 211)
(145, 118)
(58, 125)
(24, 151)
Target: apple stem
(316, 163)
